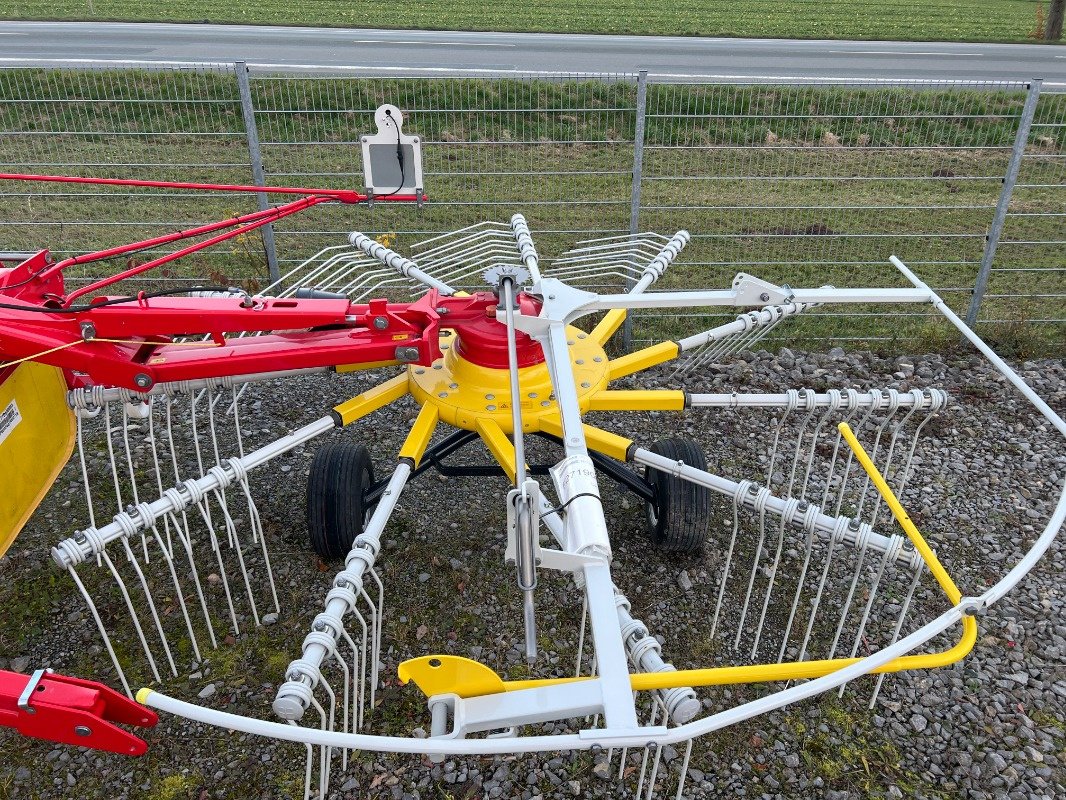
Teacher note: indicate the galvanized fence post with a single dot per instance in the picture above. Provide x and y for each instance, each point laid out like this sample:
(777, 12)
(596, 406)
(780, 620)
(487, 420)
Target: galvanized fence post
(634, 196)
(1021, 139)
(256, 157)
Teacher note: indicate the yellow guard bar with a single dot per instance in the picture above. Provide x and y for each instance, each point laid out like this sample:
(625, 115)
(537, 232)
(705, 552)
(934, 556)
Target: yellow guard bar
(441, 674)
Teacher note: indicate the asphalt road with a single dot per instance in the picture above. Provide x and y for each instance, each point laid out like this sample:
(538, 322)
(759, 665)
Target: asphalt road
(459, 53)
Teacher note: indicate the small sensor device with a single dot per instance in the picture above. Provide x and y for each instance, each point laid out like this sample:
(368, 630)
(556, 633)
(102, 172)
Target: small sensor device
(392, 161)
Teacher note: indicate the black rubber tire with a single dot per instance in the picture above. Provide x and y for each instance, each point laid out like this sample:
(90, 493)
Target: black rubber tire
(341, 473)
(679, 518)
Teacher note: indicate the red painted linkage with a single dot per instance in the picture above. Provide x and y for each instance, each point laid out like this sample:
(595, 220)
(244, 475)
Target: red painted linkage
(238, 225)
(72, 711)
(129, 344)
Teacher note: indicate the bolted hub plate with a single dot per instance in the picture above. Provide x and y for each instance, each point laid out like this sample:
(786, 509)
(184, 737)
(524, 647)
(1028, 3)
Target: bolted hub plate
(494, 275)
(464, 392)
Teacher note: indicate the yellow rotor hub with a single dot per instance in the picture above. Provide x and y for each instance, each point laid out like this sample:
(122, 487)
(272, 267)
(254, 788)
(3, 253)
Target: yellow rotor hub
(464, 392)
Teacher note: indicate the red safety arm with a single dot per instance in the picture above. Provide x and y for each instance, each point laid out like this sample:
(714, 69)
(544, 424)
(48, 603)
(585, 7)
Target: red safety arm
(237, 225)
(131, 343)
(340, 195)
(72, 711)
(311, 197)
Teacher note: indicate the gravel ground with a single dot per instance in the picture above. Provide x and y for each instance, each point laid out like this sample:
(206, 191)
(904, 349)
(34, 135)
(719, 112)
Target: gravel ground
(993, 725)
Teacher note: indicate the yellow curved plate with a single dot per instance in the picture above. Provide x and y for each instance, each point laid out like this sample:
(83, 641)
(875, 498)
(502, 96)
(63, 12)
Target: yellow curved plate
(36, 439)
(450, 675)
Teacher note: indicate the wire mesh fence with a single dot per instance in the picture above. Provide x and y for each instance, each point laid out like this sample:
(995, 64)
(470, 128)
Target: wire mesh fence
(151, 123)
(819, 183)
(558, 149)
(1027, 280)
(806, 183)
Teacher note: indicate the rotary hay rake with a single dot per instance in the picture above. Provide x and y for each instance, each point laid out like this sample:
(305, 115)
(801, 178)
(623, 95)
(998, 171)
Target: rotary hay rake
(815, 584)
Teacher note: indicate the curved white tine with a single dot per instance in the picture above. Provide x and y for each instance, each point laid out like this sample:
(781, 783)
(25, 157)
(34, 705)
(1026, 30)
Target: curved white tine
(873, 455)
(352, 721)
(652, 715)
(231, 532)
(760, 501)
(846, 608)
(809, 525)
(257, 525)
(100, 627)
(280, 281)
(221, 566)
(375, 652)
(684, 771)
(133, 613)
(179, 594)
(231, 528)
(850, 460)
(183, 529)
(362, 665)
(835, 538)
(151, 603)
(132, 472)
(309, 763)
(326, 764)
(344, 703)
(861, 630)
(784, 523)
(898, 628)
(744, 487)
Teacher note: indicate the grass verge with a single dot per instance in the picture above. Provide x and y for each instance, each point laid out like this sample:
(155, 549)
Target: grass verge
(943, 20)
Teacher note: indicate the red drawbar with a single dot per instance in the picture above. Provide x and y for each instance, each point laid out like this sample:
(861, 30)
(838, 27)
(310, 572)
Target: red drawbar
(72, 711)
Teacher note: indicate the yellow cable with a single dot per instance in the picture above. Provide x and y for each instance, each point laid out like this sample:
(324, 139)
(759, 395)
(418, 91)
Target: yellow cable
(35, 356)
(7, 364)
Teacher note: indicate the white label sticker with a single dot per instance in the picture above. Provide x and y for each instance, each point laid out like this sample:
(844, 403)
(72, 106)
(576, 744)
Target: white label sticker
(573, 476)
(9, 420)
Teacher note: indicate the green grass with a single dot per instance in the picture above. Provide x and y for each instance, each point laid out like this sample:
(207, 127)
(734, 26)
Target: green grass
(805, 185)
(985, 20)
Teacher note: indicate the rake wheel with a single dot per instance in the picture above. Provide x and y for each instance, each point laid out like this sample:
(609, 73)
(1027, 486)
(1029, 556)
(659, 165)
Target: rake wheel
(679, 516)
(341, 473)
(813, 588)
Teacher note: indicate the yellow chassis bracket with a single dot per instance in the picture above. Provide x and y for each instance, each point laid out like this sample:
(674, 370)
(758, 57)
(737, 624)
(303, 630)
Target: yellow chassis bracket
(637, 400)
(371, 400)
(608, 326)
(468, 678)
(414, 447)
(610, 444)
(499, 445)
(642, 359)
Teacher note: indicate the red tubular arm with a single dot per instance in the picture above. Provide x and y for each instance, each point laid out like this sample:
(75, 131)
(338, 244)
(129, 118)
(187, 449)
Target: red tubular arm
(261, 217)
(295, 334)
(340, 195)
(133, 247)
(244, 224)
